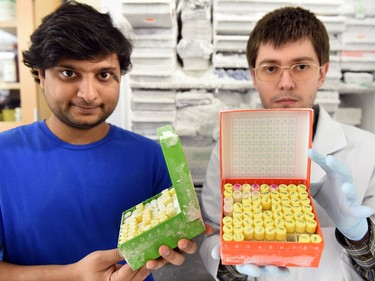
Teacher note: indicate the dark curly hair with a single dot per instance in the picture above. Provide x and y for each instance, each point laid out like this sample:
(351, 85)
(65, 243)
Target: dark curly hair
(75, 31)
(286, 25)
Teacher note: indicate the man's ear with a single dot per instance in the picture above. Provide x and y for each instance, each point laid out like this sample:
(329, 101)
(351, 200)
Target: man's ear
(41, 77)
(252, 73)
(323, 73)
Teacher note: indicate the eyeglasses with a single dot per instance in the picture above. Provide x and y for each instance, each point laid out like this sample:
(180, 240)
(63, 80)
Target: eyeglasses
(299, 72)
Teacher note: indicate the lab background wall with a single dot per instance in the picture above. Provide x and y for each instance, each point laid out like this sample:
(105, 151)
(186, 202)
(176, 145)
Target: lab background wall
(189, 63)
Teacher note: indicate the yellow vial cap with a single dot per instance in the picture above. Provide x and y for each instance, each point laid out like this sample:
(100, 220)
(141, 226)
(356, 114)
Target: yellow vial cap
(228, 193)
(228, 186)
(307, 209)
(237, 206)
(246, 187)
(292, 187)
(259, 232)
(276, 208)
(248, 232)
(247, 206)
(227, 236)
(283, 187)
(304, 238)
(297, 209)
(300, 226)
(268, 222)
(257, 208)
(227, 228)
(237, 221)
(284, 194)
(278, 215)
(237, 214)
(269, 233)
(303, 194)
(311, 226)
(316, 238)
(299, 216)
(293, 194)
(290, 226)
(227, 220)
(264, 187)
(266, 203)
(238, 236)
(258, 221)
(309, 216)
(305, 201)
(246, 200)
(275, 200)
(280, 233)
(258, 214)
(295, 201)
(267, 214)
(237, 228)
(301, 187)
(247, 214)
(247, 221)
(275, 194)
(288, 216)
(279, 222)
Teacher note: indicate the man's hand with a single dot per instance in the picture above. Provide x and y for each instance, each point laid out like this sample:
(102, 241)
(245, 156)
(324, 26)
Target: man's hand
(103, 266)
(337, 195)
(252, 269)
(175, 257)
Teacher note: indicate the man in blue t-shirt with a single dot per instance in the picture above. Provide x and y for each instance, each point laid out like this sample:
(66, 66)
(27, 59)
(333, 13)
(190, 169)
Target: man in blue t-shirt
(65, 181)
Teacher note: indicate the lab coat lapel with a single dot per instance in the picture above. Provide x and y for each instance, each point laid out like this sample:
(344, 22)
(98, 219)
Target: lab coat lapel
(329, 139)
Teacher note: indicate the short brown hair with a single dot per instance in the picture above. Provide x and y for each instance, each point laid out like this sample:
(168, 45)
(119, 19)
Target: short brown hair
(286, 25)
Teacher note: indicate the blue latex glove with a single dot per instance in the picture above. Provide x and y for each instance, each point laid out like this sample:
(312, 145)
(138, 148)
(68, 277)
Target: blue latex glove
(252, 269)
(337, 195)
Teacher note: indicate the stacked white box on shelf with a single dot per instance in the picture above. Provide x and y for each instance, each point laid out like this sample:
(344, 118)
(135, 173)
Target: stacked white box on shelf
(154, 58)
(152, 109)
(349, 115)
(250, 6)
(145, 122)
(150, 13)
(359, 45)
(153, 100)
(195, 47)
(330, 100)
(154, 33)
(359, 8)
(329, 13)
(323, 7)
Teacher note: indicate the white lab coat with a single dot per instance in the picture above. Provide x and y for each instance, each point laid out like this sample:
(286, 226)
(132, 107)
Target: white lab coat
(354, 147)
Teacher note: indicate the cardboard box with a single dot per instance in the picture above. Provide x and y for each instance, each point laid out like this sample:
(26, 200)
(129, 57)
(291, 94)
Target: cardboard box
(267, 147)
(187, 223)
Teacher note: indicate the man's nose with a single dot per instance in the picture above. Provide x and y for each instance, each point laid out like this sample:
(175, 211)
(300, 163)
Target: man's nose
(286, 79)
(87, 90)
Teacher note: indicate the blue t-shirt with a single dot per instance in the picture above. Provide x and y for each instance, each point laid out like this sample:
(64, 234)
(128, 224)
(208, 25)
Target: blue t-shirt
(60, 202)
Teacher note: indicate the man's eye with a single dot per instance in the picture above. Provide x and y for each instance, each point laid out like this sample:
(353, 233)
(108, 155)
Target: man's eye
(68, 73)
(105, 75)
(270, 69)
(301, 67)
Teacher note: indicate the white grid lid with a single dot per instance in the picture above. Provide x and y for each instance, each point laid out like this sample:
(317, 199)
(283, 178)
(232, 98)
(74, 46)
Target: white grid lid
(265, 143)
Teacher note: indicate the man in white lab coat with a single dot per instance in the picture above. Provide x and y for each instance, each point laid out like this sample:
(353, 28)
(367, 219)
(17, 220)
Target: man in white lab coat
(288, 57)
